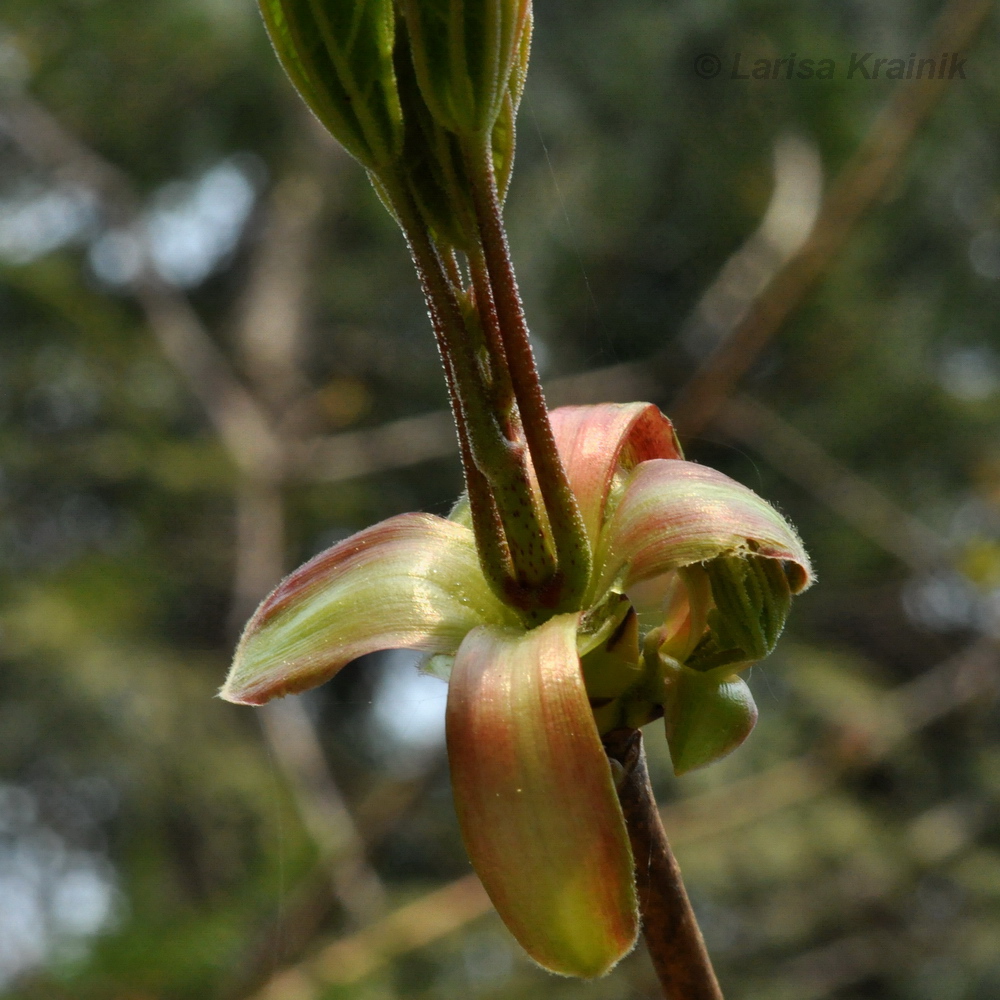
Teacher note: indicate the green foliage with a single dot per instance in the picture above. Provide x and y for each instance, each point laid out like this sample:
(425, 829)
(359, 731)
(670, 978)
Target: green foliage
(464, 54)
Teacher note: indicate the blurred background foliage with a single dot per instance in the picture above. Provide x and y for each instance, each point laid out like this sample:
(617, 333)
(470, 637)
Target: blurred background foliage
(215, 362)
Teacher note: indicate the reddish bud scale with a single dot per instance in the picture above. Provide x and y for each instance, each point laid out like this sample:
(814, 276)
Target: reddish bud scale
(533, 789)
(535, 798)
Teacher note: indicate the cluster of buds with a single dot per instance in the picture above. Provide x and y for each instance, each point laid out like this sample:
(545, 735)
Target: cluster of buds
(590, 580)
(414, 91)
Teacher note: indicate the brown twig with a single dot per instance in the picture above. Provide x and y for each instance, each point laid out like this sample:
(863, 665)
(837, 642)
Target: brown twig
(669, 925)
(348, 960)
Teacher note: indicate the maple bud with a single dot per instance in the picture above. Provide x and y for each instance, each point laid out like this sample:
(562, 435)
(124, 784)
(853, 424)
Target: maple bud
(707, 715)
(465, 53)
(751, 597)
(339, 57)
(708, 709)
(433, 159)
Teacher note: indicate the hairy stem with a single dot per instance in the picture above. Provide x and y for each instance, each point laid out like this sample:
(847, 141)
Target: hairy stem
(568, 533)
(500, 461)
(491, 542)
(503, 389)
(669, 925)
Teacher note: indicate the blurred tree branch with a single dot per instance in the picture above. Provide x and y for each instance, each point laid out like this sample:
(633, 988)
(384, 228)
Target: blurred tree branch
(856, 189)
(247, 430)
(860, 504)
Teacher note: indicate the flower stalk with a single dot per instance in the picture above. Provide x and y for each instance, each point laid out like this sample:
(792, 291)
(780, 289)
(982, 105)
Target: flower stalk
(569, 536)
(486, 414)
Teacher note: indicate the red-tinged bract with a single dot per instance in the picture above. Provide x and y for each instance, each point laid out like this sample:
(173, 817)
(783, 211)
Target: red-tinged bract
(530, 774)
(709, 565)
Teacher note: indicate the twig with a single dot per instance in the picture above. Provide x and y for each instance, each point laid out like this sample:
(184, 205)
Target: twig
(402, 443)
(669, 925)
(45, 140)
(241, 423)
(350, 959)
(324, 811)
(245, 428)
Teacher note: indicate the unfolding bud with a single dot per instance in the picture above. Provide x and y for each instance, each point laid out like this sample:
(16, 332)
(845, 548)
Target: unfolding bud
(720, 616)
(401, 93)
(752, 596)
(339, 56)
(707, 715)
(699, 560)
(465, 53)
(433, 160)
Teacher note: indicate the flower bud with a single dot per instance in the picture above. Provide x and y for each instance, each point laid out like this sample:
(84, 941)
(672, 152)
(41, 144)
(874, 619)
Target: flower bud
(338, 54)
(503, 127)
(433, 160)
(464, 54)
(707, 715)
(625, 688)
(752, 596)
(612, 667)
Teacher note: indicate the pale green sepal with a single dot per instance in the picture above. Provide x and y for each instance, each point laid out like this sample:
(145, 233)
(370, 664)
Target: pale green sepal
(535, 797)
(412, 581)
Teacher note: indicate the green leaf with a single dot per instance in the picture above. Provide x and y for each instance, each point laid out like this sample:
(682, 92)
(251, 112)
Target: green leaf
(464, 53)
(752, 597)
(707, 715)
